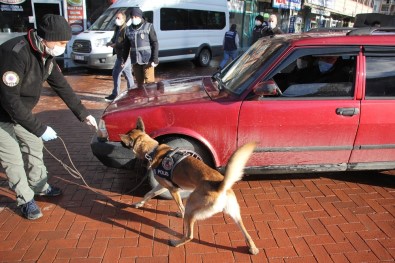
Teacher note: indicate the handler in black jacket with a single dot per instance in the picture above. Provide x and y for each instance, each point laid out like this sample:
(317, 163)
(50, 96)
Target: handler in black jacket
(26, 63)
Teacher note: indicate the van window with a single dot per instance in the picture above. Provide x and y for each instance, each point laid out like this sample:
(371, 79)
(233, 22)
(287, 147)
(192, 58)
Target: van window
(190, 19)
(106, 21)
(149, 16)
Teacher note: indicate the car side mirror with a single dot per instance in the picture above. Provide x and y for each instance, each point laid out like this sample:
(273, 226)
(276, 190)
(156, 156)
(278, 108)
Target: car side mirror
(267, 88)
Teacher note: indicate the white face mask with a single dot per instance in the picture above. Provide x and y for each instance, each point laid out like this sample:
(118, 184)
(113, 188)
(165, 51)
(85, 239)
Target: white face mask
(258, 23)
(119, 22)
(272, 24)
(56, 51)
(136, 21)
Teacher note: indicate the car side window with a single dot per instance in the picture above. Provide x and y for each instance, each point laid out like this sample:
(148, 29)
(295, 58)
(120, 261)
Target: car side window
(380, 77)
(318, 76)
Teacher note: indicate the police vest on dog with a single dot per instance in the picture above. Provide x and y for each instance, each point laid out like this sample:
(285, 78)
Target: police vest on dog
(169, 162)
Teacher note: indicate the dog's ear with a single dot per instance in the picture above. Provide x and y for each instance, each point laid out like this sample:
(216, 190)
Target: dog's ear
(125, 139)
(140, 124)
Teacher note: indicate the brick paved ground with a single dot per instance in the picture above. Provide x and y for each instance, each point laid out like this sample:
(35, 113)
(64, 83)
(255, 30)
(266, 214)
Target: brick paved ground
(337, 217)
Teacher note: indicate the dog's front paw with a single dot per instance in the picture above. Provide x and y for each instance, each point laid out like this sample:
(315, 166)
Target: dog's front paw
(253, 250)
(137, 205)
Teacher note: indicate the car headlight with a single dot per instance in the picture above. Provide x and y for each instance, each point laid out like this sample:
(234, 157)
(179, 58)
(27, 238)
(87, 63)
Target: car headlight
(101, 42)
(102, 134)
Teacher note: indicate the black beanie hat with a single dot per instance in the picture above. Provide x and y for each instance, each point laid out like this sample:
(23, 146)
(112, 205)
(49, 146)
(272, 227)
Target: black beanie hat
(54, 28)
(259, 17)
(136, 12)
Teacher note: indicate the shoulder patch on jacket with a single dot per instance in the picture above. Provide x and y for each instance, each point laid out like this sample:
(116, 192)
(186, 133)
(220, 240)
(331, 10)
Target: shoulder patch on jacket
(19, 46)
(10, 78)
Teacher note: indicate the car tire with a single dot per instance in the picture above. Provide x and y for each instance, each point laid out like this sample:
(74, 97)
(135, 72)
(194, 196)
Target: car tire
(190, 146)
(204, 58)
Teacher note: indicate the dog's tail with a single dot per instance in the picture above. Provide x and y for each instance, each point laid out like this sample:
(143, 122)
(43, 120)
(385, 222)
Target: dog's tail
(234, 169)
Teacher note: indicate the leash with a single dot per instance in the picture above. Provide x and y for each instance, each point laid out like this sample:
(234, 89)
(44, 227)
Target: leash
(73, 171)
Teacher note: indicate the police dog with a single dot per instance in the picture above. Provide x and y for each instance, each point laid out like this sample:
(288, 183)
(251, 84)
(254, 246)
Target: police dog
(212, 191)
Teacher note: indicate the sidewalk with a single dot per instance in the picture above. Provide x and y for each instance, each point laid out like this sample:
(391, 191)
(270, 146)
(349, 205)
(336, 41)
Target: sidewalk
(335, 217)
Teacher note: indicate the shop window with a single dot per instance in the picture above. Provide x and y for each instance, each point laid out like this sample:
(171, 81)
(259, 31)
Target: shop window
(15, 18)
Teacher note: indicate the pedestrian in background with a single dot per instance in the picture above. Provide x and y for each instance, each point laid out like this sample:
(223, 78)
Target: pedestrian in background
(273, 28)
(231, 46)
(141, 44)
(117, 43)
(26, 62)
(260, 29)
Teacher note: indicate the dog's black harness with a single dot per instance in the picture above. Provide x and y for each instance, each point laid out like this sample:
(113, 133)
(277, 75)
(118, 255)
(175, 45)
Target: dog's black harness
(168, 163)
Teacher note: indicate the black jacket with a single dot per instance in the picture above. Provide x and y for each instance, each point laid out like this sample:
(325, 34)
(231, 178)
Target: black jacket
(118, 39)
(258, 32)
(24, 68)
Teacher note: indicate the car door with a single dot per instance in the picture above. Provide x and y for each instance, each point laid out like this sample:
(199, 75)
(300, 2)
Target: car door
(306, 128)
(375, 141)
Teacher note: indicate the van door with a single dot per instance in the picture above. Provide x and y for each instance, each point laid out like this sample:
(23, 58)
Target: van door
(375, 143)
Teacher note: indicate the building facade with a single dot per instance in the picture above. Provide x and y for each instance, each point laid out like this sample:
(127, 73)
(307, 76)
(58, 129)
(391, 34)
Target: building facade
(18, 16)
(296, 16)
(386, 7)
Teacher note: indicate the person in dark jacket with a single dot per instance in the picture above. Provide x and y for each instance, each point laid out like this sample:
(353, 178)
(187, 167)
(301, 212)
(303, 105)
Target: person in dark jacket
(117, 42)
(231, 46)
(260, 29)
(141, 44)
(26, 63)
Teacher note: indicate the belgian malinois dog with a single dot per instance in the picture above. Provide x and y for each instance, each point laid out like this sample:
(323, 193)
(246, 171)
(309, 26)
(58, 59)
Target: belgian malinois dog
(212, 192)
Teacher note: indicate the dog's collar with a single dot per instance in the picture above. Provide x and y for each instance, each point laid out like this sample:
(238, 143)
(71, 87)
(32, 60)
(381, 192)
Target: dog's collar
(150, 155)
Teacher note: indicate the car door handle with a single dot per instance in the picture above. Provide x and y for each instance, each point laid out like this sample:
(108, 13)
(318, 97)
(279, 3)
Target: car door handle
(347, 111)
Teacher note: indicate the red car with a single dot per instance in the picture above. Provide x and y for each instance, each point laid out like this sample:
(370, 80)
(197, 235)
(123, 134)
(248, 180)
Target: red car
(313, 102)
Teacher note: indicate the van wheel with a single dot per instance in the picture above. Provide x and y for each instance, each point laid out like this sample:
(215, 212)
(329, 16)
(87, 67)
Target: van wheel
(204, 58)
(192, 148)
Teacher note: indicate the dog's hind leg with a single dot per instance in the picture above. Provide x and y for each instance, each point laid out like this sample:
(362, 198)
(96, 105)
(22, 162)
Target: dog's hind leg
(189, 222)
(232, 208)
(175, 193)
(157, 190)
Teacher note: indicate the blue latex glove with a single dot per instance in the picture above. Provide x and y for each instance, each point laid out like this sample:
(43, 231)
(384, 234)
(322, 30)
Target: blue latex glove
(49, 134)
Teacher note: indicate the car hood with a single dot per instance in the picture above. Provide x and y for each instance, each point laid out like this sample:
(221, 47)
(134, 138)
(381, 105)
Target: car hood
(167, 92)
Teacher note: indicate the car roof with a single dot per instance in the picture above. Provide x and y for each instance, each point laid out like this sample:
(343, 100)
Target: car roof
(354, 37)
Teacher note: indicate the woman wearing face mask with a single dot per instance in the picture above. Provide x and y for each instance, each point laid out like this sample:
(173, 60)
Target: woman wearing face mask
(117, 42)
(141, 45)
(259, 29)
(26, 63)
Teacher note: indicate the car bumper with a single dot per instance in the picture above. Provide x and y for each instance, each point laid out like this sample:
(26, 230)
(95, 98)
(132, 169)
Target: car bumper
(96, 61)
(113, 154)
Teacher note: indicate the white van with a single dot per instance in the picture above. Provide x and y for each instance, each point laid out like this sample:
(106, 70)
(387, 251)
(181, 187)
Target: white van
(186, 30)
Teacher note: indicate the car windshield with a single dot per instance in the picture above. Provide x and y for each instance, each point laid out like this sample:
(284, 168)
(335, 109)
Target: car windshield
(243, 71)
(106, 21)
